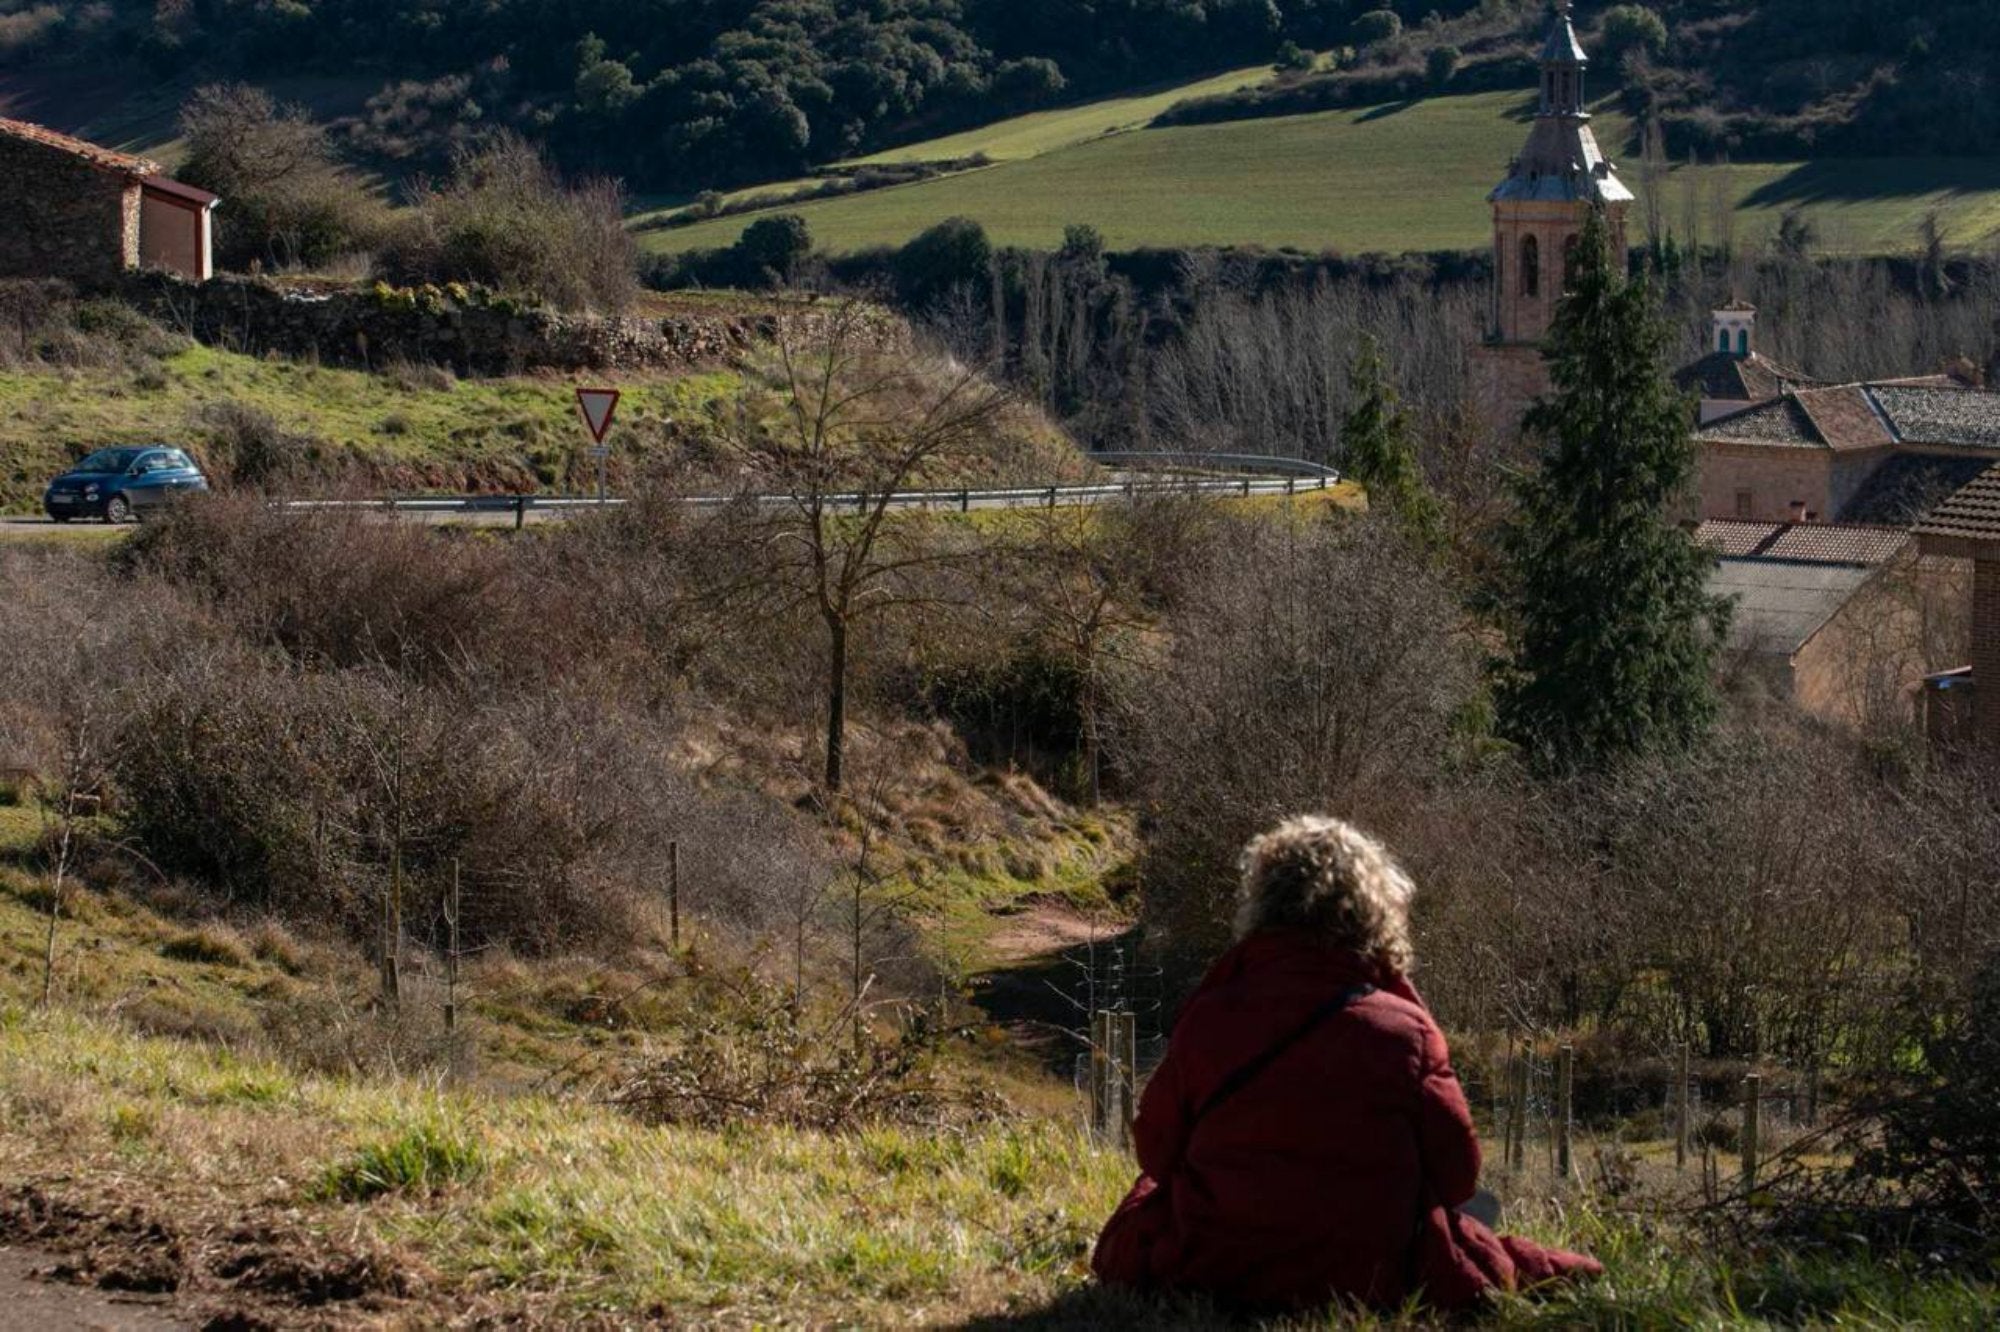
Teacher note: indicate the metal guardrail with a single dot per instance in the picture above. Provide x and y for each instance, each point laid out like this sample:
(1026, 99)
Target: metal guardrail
(963, 500)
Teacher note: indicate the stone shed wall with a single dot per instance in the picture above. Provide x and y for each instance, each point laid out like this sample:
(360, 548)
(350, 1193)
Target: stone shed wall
(69, 219)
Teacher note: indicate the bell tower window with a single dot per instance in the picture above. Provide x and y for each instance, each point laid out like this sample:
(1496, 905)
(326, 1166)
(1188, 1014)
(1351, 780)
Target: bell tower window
(1531, 266)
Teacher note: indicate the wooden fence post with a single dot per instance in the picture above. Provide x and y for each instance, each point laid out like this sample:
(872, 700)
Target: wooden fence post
(1681, 1115)
(451, 957)
(1128, 1075)
(674, 894)
(1524, 1073)
(1753, 1114)
(1100, 1068)
(1565, 1086)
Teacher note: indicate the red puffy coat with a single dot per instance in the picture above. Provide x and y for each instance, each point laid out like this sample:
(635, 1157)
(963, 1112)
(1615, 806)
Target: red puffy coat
(1336, 1171)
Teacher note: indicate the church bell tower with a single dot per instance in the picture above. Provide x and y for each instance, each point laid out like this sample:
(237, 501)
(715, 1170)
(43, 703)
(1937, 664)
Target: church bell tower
(1539, 212)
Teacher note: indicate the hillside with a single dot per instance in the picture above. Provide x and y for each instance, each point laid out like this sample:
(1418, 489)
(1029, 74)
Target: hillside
(1388, 178)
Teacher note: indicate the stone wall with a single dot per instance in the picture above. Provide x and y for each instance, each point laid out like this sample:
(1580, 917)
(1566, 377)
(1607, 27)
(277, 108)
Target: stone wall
(470, 332)
(68, 219)
(1505, 380)
(1771, 476)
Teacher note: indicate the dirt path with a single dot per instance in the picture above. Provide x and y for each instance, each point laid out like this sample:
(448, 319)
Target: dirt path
(30, 1302)
(1045, 957)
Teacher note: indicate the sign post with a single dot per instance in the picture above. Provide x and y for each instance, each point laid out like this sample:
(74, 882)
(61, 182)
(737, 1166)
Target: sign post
(598, 406)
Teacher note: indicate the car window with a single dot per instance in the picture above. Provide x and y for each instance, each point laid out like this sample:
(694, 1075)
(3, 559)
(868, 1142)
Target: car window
(108, 460)
(175, 458)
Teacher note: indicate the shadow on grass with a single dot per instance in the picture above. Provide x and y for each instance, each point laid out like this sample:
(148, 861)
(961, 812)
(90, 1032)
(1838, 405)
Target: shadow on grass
(1836, 181)
(1387, 109)
(1098, 1307)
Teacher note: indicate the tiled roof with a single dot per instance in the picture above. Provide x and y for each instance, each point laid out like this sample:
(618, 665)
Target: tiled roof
(1906, 487)
(1781, 421)
(1971, 516)
(107, 159)
(1803, 543)
(1780, 604)
(1845, 418)
(1868, 416)
(1961, 417)
(1730, 378)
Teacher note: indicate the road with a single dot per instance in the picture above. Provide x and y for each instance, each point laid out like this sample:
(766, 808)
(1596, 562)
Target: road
(519, 511)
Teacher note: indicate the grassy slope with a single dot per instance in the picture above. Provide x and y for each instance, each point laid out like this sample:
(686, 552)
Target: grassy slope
(1396, 178)
(500, 432)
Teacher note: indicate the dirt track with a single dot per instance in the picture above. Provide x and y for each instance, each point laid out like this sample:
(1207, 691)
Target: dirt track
(33, 1303)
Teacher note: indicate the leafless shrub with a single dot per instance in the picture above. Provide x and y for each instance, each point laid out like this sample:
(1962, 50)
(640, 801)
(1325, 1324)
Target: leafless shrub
(765, 1064)
(1319, 667)
(503, 218)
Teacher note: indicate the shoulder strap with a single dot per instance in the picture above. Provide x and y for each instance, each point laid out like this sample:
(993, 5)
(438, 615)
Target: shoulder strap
(1247, 1074)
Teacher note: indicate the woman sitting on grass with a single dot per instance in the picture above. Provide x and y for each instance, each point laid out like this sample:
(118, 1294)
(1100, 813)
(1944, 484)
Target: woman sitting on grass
(1305, 1139)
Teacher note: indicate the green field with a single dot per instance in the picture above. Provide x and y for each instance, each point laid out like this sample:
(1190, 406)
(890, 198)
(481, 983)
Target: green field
(1402, 177)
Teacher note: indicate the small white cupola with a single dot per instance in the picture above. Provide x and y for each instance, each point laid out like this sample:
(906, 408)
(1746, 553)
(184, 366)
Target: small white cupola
(1735, 329)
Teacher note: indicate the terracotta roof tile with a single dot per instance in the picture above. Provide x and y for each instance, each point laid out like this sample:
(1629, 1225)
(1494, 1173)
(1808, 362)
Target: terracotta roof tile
(1845, 418)
(1972, 515)
(1726, 377)
(1802, 543)
(97, 155)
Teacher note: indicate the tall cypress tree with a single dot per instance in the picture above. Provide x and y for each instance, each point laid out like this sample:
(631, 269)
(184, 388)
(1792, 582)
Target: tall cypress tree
(1614, 633)
(1377, 449)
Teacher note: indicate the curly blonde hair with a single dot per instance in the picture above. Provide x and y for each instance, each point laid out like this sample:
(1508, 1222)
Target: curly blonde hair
(1322, 874)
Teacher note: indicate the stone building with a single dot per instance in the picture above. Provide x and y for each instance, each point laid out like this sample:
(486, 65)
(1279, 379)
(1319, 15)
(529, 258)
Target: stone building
(89, 214)
(1539, 212)
(1846, 621)
(1735, 375)
(1875, 453)
(1967, 527)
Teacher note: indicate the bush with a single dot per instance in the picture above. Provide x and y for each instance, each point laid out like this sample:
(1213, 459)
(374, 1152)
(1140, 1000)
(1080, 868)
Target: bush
(1632, 28)
(1375, 27)
(505, 220)
(1296, 59)
(772, 250)
(258, 452)
(286, 200)
(1441, 64)
(953, 254)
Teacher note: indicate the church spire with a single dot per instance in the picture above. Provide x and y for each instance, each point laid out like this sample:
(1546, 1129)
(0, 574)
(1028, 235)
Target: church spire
(1563, 63)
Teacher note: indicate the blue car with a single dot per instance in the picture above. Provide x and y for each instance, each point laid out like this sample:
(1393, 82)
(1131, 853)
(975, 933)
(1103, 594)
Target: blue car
(118, 485)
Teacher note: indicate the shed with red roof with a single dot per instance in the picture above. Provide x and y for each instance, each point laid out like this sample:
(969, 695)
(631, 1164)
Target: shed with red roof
(89, 213)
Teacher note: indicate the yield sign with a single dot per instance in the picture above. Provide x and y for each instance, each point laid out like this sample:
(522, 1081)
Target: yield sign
(598, 407)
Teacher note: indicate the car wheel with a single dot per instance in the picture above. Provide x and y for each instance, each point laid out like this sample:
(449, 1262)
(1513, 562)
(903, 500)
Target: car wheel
(119, 510)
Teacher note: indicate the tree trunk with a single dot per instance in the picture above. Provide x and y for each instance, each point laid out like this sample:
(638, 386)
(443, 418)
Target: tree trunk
(836, 702)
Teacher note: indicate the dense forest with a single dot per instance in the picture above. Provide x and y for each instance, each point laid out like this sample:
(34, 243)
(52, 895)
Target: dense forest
(690, 94)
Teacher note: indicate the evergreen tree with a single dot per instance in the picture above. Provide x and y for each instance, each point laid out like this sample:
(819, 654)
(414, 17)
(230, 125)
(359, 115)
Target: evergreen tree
(1613, 631)
(1378, 451)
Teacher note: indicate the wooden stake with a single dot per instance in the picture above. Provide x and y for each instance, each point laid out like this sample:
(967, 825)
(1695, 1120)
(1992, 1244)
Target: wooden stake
(674, 894)
(1128, 1075)
(1100, 1058)
(451, 957)
(1753, 1114)
(1565, 1126)
(1681, 1115)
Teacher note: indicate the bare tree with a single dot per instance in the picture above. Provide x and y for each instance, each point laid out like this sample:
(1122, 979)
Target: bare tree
(858, 421)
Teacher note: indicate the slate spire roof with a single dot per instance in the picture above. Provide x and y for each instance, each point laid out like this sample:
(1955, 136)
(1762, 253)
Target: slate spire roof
(1561, 162)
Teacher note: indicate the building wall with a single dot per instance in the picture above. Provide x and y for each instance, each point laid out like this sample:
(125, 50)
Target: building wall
(173, 236)
(68, 219)
(1521, 316)
(1506, 378)
(1867, 665)
(1986, 650)
(1773, 476)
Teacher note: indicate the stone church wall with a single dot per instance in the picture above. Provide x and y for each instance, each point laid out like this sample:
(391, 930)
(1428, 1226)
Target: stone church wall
(1505, 380)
